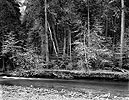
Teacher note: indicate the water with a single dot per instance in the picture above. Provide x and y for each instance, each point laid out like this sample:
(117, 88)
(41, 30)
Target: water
(120, 89)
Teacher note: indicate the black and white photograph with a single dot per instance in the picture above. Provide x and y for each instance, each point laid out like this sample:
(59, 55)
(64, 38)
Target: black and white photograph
(64, 49)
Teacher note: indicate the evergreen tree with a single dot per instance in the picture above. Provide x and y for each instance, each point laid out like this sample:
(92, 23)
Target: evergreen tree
(9, 28)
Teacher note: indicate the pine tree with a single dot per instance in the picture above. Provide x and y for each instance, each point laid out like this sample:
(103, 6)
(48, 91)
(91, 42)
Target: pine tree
(9, 26)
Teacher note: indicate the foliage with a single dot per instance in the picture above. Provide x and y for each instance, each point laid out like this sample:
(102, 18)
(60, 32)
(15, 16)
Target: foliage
(125, 51)
(9, 44)
(97, 52)
(9, 28)
(9, 16)
(10, 49)
(22, 57)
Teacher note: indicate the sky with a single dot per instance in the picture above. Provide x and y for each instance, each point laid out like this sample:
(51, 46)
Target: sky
(22, 1)
(22, 8)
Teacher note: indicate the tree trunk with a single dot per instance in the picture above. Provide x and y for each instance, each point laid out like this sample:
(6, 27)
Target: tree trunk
(52, 40)
(54, 33)
(122, 33)
(57, 46)
(46, 34)
(3, 67)
(64, 48)
(70, 48)
(43, 51)
(106, 33)
(89, 41)
(88, 26)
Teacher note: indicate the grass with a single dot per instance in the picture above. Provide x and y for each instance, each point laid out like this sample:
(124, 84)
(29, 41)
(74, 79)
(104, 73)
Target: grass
(31, 93)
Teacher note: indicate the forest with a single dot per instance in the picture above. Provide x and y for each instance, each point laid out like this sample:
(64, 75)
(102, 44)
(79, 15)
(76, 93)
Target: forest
(64, 35)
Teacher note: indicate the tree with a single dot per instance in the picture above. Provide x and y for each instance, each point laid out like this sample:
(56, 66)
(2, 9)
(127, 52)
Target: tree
(46, 31)
(63, 22)
(9, 23)
(93, 48)
(9, 17)
(41, 20)
(34, 21)
(122, 31)
(54, 45)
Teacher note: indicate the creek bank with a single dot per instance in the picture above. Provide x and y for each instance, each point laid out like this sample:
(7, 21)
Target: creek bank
(67, 74)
